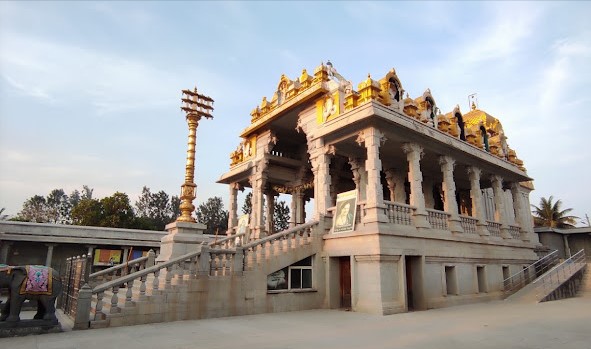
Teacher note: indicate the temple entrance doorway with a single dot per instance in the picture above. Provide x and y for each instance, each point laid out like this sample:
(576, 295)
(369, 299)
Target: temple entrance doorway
(345, 281)
(414, 292)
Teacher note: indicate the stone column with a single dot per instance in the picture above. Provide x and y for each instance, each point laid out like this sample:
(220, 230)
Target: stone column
(293, 209)
(270, 213)
(125, 255)
(321, 168)
(497, 186)
(233, 209)
(4, 250)
(356, 169)
(477, 204)
(520, 216)
(90, 252)
(414, 152)
(373, 139)
(449, 189)
(49, 254)
(258, 183)
(300, 207)
(395, 181)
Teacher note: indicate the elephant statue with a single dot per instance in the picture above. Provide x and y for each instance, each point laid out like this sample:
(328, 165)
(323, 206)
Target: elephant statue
(21, 282)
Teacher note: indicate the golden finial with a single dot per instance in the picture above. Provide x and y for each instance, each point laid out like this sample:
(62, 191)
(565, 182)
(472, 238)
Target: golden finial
(473, 105)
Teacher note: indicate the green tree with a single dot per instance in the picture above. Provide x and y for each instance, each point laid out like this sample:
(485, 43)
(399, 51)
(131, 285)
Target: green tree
(212, 214)
(117, 211)
(175, 203)
(549, 214)
(34, 210)
(280, 216)
(154, 210)
(58, 207)
(87, 212)
(247, 206)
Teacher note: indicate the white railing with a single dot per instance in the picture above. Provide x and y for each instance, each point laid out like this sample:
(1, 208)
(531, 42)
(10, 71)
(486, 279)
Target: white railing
(494, 228)
(469, 224)
(559, 275)
(276, 244)
(530, 273)
(437, 219)
(399, 213)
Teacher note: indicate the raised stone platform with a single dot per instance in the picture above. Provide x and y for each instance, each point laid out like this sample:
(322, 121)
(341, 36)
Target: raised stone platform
(27, 327)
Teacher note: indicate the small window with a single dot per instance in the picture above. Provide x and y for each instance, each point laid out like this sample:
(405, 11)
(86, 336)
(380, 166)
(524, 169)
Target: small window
(295, 277)
(506, 274)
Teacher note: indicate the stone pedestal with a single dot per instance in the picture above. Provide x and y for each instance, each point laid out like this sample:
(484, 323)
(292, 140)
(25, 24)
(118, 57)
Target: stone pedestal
(182, 238)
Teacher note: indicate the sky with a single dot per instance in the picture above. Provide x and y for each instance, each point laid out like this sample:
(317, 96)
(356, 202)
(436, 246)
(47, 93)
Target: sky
(90, 91)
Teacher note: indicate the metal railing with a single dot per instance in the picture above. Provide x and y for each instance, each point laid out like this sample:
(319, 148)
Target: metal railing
(530, 273)
(559, 275)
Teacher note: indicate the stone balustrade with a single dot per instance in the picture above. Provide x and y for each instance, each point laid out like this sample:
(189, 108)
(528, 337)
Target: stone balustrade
(469, 224)
(116, 271)
(494, 228)
(437, 219)
(514, 230)
(275, 244)
(229, 242)
(399, 213)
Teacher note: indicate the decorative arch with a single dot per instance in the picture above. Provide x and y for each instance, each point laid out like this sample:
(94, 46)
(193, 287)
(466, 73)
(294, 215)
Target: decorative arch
(391, 88)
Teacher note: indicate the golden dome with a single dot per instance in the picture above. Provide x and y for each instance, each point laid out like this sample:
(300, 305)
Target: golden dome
(476, 116)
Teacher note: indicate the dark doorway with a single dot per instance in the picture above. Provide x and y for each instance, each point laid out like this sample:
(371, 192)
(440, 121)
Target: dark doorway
(413, 281)
(345, 281)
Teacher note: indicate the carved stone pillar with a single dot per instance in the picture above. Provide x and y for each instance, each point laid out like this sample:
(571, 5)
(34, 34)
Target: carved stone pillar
(270, 212)
(49, 256)
(477, 204)
(449, 189)
(320, 160)
(500, 213)
(395, 180)
(300, 212)
(520, 215)
(258, 182)
(374, 205)
(233, 209)
(414, 152)
(356, 169)
(293, 209)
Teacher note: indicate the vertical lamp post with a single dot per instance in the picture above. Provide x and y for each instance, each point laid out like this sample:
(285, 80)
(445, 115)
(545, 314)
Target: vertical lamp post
(195, 105)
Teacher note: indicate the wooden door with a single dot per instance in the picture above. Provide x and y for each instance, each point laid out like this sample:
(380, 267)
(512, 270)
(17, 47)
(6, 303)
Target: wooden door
(345, 281)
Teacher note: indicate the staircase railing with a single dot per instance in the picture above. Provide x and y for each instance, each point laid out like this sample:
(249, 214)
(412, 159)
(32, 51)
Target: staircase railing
(128, 267)
(275, 244)
(221, 258)
(530, 273)
(560, 274)
(188, 265)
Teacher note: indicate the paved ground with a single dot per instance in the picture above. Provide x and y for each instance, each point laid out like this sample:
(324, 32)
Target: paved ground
(560, 324)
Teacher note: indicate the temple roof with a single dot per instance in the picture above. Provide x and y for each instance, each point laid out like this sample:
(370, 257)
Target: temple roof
(476, 116)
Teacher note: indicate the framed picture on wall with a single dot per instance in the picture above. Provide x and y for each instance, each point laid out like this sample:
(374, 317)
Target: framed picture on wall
(344, 220)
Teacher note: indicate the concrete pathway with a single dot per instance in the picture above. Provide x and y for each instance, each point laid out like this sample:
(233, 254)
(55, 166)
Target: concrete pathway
(560, 324)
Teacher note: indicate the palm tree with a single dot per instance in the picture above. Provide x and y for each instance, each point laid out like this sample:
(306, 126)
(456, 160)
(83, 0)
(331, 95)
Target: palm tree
(548, 214)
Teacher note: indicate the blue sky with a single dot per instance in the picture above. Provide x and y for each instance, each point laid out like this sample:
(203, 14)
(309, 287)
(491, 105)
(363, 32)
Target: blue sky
(90, 91)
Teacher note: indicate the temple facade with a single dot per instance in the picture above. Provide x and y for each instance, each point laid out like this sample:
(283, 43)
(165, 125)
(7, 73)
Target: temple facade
(424, 209)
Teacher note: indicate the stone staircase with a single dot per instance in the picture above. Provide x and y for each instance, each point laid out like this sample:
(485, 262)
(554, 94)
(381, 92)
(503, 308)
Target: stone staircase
(219, 280)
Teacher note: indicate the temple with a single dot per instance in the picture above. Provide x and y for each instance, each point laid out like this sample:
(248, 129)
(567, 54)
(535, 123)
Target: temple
(440, 201)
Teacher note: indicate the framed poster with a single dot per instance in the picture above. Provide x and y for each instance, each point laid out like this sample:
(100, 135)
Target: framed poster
(344, 220)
